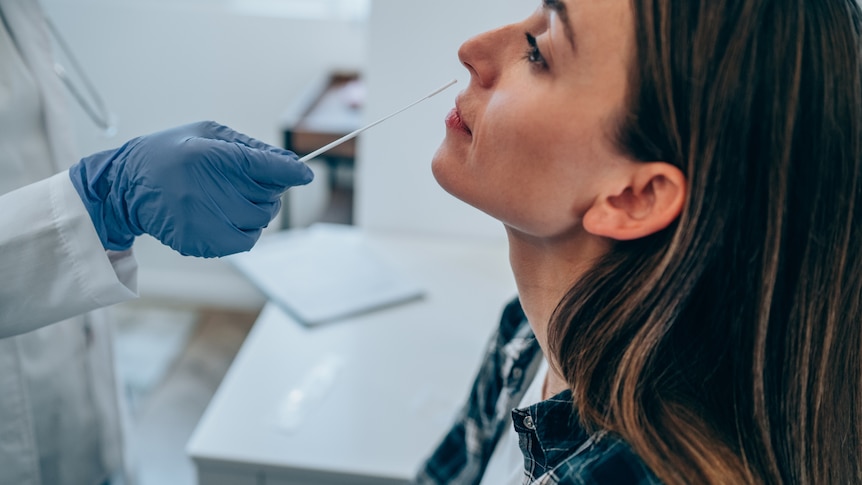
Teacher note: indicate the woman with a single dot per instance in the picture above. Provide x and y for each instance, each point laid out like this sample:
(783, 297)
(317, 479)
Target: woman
(680, 184)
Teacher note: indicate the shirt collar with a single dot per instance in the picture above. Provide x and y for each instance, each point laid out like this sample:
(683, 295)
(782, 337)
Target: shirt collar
(549, 432)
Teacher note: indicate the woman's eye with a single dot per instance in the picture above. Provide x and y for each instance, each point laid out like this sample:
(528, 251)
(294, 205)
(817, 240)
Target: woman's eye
(534, 55)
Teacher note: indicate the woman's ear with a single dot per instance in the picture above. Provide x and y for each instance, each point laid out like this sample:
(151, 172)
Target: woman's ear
(649, 199)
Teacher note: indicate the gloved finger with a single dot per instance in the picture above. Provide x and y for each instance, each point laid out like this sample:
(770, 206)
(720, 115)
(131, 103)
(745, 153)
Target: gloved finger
(225, 198)
(235, 241)
(247, 215)
(239, 201)
(249, 239)
(259, 176)
(230, 241)
(206, 232)
(270, 168)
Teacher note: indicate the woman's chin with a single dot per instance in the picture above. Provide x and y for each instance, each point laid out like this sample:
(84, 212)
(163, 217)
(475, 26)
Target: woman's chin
(441, 166)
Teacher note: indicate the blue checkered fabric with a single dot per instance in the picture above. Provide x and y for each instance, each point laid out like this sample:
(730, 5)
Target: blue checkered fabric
(556, 448)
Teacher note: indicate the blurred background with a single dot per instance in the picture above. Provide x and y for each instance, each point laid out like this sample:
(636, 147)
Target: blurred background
(286, 72)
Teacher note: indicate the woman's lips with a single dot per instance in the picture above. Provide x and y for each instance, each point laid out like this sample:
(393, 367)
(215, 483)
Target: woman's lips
(454, 121)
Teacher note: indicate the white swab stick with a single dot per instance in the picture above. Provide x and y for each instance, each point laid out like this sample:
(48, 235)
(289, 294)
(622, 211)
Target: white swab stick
(381, 120)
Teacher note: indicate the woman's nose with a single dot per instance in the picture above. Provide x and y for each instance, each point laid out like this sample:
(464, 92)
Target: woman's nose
(480, 54)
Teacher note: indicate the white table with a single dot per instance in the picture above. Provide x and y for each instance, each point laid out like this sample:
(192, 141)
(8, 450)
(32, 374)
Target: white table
(397, 376)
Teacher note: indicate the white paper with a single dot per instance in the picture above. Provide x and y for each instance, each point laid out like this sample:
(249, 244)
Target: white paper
(324, 273)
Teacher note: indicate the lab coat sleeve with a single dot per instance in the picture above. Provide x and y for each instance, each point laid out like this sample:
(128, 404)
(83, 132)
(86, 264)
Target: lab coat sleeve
(52, 264)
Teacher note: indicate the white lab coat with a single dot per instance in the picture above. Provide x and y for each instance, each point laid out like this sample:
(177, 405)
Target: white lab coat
(59, 418)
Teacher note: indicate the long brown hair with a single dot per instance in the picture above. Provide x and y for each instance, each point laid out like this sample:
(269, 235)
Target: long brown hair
(726, 349)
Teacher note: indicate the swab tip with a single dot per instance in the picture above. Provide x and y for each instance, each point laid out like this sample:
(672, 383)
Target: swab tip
(444, 87)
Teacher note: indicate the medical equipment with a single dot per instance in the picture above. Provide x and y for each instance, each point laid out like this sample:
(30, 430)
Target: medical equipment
(96, 110)
(381, 120)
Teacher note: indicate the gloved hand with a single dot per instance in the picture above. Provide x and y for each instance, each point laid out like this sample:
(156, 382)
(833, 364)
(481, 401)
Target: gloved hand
(202, 189)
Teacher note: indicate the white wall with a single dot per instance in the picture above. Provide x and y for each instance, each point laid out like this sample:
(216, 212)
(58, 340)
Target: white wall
(412, 50)
(163, 63)
(160, 63)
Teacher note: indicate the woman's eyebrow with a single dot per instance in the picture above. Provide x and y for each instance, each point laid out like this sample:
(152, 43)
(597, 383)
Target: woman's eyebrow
(560, 7)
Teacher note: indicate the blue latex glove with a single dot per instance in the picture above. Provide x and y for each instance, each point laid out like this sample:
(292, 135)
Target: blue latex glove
(202, 189)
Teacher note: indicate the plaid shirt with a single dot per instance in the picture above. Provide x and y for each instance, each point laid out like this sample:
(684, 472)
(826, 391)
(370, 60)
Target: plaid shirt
(556, 449)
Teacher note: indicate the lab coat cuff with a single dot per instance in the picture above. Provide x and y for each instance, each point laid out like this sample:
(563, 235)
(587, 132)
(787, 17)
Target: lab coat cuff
(107, 277)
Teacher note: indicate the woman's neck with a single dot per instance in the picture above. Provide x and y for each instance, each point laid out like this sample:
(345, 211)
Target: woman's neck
(545, 270)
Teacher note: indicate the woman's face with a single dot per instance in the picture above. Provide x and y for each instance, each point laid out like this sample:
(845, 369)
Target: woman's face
(530, 139)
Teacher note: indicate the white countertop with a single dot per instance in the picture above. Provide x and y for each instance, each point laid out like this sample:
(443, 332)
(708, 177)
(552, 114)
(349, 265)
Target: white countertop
(389, 382)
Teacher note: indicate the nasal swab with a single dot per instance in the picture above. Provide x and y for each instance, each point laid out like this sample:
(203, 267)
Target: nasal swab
(381, 120)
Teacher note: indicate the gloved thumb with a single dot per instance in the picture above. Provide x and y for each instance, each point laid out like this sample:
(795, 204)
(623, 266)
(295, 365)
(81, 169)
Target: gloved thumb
(217, 131)
(267, 164)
